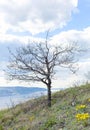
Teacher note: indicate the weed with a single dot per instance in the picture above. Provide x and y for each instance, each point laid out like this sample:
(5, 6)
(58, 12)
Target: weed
(1, 127)
(49, 123)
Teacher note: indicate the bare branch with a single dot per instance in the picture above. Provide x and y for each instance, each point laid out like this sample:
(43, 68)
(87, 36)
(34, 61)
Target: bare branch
(38, 61)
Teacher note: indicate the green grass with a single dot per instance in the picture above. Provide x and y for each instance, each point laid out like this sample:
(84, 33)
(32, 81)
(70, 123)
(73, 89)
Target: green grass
(35, 115)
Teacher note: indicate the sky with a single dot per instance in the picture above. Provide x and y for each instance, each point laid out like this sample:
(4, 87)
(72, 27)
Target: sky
(22, 21)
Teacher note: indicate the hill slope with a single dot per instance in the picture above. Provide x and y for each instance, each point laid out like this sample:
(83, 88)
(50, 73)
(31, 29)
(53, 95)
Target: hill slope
(34, 114)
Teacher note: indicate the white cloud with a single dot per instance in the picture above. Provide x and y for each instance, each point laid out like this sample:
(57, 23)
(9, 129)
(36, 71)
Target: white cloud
(10, 38)
(4, 82)
(63, 79)
(84, 66)
(81, 37)
(66, 79)
(36, 15)
(58, 82)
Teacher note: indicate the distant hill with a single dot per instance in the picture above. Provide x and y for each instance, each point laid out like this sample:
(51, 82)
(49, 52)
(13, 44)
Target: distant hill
(18, 90)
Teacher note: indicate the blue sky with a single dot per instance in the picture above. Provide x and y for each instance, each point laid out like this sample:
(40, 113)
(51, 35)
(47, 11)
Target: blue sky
(81, 19)
(28, 20)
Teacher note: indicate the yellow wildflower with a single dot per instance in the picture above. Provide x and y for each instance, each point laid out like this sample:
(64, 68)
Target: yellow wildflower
(31, 118)
(89, 99)
(82, 116)
(80, 107)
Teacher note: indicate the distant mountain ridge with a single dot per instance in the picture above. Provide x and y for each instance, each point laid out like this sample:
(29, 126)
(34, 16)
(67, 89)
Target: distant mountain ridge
(18, 90)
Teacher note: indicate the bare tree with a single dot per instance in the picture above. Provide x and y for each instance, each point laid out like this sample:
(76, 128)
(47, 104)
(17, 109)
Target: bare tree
(38, 62)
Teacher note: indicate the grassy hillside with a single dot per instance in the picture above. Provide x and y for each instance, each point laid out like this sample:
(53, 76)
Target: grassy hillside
(70, 111)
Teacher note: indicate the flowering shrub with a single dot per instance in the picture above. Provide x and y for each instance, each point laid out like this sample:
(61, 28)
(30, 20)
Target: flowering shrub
(89, 99)
(82, 116)
(80, 107)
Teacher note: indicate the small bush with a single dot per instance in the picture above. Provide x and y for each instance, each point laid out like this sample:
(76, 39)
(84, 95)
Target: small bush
(82, 116)
(49, 123)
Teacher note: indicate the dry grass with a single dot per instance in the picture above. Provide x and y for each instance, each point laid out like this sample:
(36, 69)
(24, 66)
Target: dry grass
(35, 115)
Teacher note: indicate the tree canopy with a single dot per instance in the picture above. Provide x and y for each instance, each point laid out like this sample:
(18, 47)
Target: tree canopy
(38, 62)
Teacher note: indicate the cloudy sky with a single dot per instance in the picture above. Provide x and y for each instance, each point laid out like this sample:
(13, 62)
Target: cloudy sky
(28, 20)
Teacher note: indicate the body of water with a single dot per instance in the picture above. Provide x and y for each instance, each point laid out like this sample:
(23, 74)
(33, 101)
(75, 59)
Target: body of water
(10, 101)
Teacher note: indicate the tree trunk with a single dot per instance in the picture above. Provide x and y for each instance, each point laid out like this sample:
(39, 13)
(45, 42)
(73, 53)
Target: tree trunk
(49, 96)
